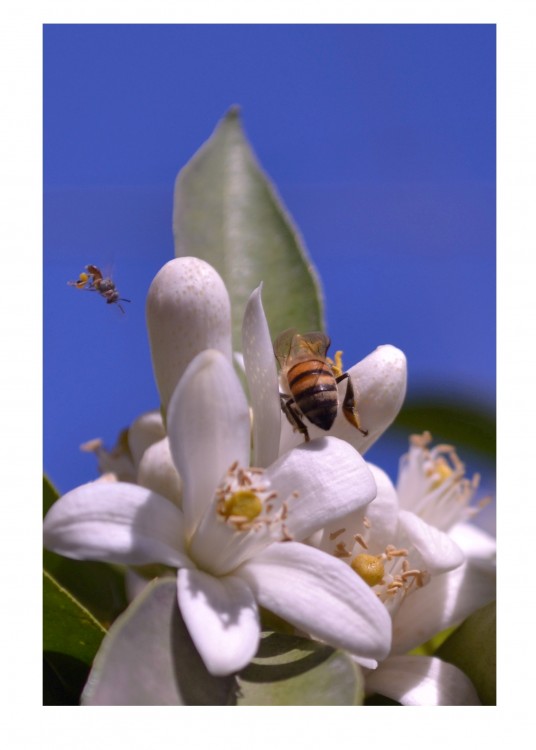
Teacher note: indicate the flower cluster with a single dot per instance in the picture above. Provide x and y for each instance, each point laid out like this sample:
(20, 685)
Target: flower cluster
(228, 494)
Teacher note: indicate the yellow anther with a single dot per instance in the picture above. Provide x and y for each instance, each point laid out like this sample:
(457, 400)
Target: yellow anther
(244, 503)
(442, 471)
(369, 567)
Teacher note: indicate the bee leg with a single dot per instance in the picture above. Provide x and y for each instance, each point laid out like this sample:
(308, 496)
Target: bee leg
(293, 417)
(349, 406)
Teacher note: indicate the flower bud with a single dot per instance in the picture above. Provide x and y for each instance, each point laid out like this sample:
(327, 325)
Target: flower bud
(188, 310)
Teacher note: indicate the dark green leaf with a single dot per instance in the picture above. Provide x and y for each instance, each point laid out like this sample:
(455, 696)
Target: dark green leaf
(71, 638)
(64, 678)
(148, 659)
(68, 627)
(458, 422)
(50, 495)
(227, 212)
(293, 671)
(97, 586)
(380, 700)
(472, 648)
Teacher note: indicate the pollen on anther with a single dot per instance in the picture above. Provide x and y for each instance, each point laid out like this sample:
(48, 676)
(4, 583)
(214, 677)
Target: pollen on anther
(335, 534)
(359, 539)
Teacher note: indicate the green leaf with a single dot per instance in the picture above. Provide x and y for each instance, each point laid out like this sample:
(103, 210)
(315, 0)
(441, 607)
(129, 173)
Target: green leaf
(380, 700)
(68, 627)
(50, 495)
(64, 678)
(97, 586)
(472, 648)
(458, 422)
(148, 659)
(71, 638)
(293, 671)
(227, 212)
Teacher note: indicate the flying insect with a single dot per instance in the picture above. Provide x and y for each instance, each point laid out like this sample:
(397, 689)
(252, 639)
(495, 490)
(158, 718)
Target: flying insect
(92, 280)
(311, 379)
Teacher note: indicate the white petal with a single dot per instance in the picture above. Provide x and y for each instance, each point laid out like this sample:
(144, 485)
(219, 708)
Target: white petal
(208, 427)
(477, 545)
(320, 595)
(446, 601)
(331, 480)
(436, 552)
(422, 681)
(261, 373)
(379, 383)
(157, 472)
(222, 618)
(381, 515)
(147, 429)
(188, 310)
(116, 522)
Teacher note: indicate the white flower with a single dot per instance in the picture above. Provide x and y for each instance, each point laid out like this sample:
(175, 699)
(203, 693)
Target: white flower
(426, 580)
(432, 484)
(236, 539)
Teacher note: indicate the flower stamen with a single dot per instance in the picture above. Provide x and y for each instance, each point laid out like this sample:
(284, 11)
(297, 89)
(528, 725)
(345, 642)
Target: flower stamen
(359, 539)
(335, 534)
(246, 502)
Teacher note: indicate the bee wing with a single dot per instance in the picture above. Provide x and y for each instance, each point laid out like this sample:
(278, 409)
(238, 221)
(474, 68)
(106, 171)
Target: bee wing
(315, 343)
(283, 345)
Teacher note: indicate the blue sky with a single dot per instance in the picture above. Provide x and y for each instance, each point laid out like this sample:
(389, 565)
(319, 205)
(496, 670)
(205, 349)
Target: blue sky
(380, 140)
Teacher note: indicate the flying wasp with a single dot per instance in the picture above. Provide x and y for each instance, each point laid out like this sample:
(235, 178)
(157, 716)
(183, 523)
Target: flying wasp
(312, 380)
(92, 280)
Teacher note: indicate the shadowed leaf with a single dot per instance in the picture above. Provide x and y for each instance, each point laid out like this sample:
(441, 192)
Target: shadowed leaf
(292, 671)
(148, 659)
(71, 638)
(472, 648)
(458, 422)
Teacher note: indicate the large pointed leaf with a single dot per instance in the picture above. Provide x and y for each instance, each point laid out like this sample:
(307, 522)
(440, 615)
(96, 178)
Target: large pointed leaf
(148, 659)
(71, 637)
(292, 671)
(472, 648)
(227, 212)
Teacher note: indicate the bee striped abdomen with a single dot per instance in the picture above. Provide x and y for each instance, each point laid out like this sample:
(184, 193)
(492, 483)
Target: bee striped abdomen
(314, 390)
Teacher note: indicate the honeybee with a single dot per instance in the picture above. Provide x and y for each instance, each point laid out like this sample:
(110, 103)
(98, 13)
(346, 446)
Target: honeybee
(92, 280)
(312, 380)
